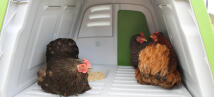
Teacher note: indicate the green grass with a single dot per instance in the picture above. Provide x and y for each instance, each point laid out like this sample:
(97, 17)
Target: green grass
(212, 20)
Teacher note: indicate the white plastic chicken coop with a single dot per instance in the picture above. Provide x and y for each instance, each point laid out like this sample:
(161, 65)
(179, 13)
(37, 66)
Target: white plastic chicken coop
(29, 25)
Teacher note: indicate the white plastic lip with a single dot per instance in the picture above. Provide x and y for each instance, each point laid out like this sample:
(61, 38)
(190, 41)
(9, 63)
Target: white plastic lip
(100, 8)
(99, 16)
(98, 24)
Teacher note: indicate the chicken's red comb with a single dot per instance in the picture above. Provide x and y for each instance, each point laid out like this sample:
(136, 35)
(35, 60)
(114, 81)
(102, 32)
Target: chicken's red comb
(142, 34)
(157, 32)
(141, 40)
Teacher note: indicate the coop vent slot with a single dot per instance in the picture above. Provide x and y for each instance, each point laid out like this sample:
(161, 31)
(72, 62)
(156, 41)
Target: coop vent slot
(101, 8)
(97, 22)
(99, 16)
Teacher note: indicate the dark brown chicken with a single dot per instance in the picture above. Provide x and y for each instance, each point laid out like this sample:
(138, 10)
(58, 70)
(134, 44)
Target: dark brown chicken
(136, 44)
(158, 63)
(41, 75)
(64, 74)
(62, 47)
(64, 78)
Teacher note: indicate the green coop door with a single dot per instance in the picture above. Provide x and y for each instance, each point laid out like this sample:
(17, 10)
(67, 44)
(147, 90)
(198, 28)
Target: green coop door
(129, 23)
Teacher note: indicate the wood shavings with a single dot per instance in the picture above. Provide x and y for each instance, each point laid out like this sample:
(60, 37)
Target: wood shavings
(94, 76)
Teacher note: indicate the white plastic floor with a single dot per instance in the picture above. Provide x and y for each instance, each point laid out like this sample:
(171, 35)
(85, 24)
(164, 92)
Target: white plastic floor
(120, 82)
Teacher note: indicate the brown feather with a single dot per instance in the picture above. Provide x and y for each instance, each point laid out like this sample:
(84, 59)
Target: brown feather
(63, 78)
(158, 64)
(153, 60)
(135, 48)
(138, 76)
(62, 47)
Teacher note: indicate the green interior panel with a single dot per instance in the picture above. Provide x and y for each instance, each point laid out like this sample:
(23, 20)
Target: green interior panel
(205, 29)
(3, 8)
(129, 23)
